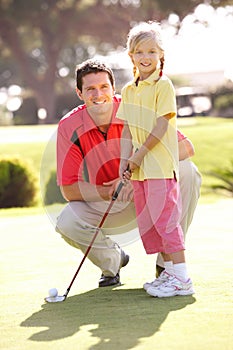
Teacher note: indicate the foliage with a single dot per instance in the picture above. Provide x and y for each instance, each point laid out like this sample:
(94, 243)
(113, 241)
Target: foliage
(52, 192)
(46, 36)
(27, 113)
(65, 103)
(223, 101)
(225, 175)
(17, 184)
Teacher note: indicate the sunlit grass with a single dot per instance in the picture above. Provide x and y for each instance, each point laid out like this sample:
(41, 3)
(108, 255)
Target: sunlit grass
(213, 142)
(35, 258)
(212, 138)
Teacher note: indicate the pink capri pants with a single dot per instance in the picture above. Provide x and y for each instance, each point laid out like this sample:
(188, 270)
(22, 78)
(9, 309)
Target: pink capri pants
(158, 209)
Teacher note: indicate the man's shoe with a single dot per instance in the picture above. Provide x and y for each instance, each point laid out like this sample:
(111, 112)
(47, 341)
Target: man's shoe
(106, 281)
(124, 259)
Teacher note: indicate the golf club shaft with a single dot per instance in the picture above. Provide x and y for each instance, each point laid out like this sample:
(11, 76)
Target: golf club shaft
(114, 197)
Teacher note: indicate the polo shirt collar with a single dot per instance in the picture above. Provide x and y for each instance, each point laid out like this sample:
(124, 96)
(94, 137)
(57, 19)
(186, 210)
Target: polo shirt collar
(150, 80)
(88, 123)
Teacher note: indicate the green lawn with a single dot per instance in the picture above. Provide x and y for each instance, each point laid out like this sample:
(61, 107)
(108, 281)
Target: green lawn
(33, 258)
(212, 138)
(213, 141)
(28, 142)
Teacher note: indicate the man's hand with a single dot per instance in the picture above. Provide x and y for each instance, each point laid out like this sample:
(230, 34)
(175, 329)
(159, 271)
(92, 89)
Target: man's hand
(112, 186)
(126, 193)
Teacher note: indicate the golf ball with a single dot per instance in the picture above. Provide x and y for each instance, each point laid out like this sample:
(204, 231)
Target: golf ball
(53, 292)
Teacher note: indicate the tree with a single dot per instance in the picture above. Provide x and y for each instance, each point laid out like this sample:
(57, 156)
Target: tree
(42, 36)
(35, 34)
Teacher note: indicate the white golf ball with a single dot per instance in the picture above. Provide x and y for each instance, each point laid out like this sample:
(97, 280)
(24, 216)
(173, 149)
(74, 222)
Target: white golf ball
(53, 292)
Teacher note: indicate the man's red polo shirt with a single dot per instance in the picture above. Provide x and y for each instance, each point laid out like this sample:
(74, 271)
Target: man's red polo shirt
(81, 145)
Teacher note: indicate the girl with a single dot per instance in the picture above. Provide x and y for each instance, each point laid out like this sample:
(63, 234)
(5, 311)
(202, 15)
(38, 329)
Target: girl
(149, 150)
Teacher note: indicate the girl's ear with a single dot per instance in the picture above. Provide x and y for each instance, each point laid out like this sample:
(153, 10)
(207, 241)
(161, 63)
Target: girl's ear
(161, 54)
(131, 56)
(79, 93)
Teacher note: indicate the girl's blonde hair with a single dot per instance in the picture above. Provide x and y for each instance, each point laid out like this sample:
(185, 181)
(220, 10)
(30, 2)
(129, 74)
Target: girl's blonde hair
(142, 32)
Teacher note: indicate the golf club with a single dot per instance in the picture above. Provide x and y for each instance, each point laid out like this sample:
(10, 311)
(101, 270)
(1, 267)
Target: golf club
(59, 298)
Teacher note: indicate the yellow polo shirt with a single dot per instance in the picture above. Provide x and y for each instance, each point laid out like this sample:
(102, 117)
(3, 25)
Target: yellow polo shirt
(141, 105)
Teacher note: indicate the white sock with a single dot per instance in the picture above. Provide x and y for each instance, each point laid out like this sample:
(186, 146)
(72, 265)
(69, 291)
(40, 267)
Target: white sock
(180, 271)
(169, 267)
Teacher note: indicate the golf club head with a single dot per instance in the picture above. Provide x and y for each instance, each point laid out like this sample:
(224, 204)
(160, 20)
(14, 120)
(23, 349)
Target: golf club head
(56, 299)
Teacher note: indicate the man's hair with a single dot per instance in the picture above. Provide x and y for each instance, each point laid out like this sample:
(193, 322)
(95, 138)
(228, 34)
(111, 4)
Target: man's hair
(92, 66)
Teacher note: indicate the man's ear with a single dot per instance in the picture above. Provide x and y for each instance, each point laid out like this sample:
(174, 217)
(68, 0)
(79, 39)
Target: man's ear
(79, 93)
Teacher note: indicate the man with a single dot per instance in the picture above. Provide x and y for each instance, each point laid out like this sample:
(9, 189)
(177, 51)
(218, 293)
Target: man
(88, 156)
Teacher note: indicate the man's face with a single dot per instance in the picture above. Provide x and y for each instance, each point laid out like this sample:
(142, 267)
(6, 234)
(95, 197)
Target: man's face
(97, 93)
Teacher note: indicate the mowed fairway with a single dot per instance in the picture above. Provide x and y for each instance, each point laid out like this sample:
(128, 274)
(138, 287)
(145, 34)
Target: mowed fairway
(33, 258)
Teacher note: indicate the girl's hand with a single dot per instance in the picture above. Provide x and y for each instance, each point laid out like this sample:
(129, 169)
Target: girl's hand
(123, 167)
(135, 161)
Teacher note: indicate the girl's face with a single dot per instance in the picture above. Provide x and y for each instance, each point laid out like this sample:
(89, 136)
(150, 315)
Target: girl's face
(146, 57)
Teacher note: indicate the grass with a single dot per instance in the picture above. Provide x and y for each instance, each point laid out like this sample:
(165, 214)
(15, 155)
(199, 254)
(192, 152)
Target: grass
(212, 138)
(28, 142)
(33, 258)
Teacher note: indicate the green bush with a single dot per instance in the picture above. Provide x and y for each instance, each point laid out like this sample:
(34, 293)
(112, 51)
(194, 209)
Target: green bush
(52, 191)
(225, 175)
(17, 184)
(223, 101)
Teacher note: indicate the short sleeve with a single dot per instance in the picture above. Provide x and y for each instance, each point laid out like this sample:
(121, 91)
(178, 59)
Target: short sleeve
(166, 98)
(69, 160)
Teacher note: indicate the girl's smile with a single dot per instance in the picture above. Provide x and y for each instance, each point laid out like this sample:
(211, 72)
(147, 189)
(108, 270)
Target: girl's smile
(146, 58)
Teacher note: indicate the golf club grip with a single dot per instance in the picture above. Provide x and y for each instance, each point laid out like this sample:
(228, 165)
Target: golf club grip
(121, 184)
(116, 193)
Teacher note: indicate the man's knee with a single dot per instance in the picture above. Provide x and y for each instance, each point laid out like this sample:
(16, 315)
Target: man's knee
(64, 221)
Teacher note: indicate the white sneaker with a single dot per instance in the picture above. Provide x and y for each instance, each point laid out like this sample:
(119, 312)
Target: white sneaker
(171, 287)
(158, 281)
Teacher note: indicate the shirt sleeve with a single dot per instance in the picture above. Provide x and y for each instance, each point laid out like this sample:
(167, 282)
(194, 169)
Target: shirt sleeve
(69, 160)
(166, 98)
(180, 136)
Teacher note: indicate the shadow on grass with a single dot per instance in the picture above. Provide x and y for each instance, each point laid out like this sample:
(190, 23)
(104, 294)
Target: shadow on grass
(118, 318)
